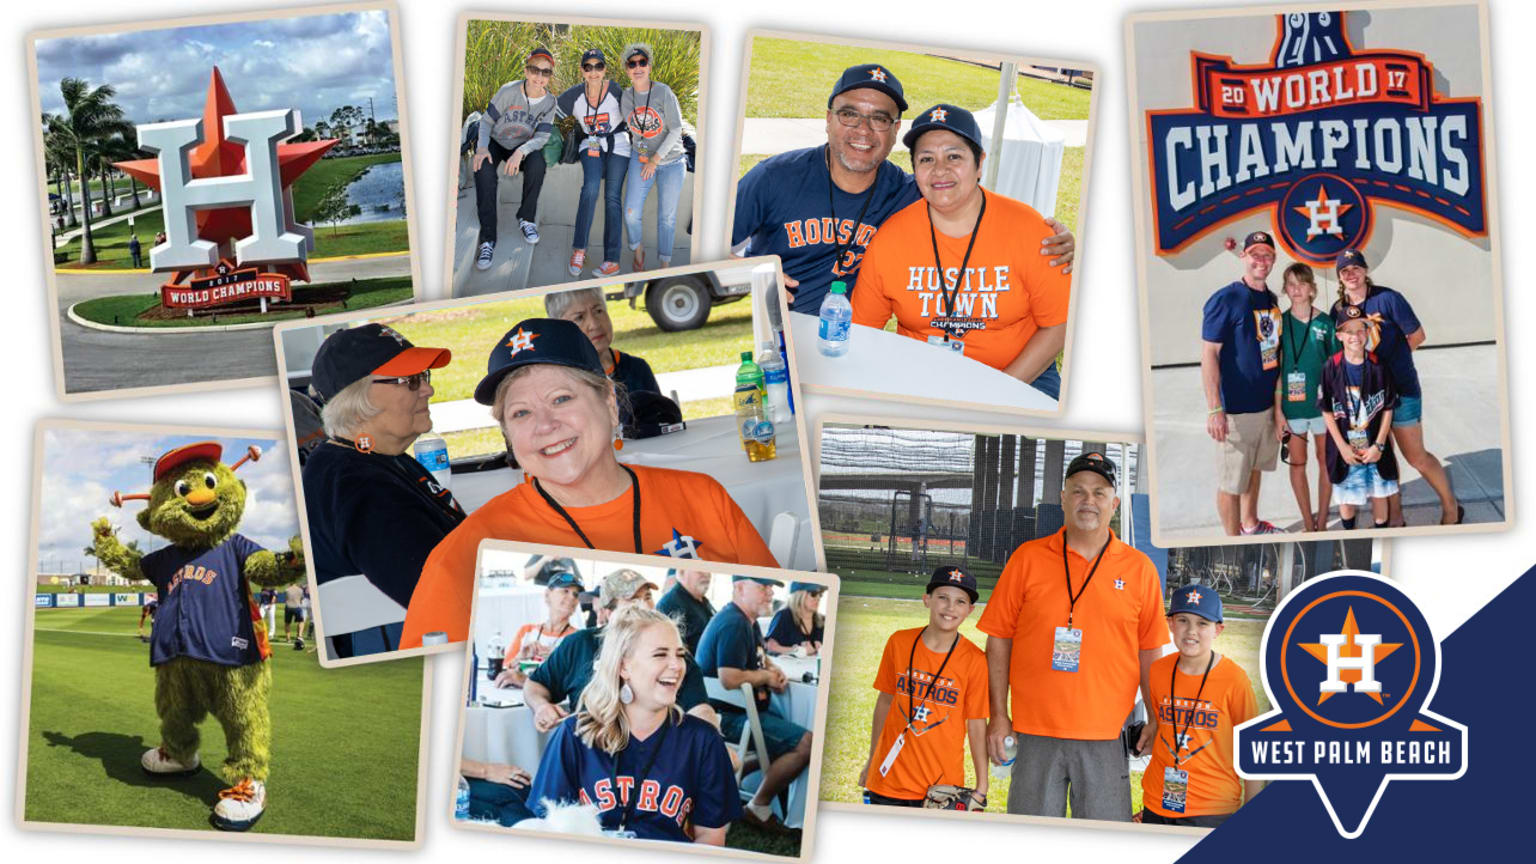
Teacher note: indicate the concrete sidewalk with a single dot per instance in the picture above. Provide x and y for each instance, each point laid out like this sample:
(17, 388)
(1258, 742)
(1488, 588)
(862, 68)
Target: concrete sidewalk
(72, 234)
(1461, 427)
(777, 134)
(687, 385)
(518, 265)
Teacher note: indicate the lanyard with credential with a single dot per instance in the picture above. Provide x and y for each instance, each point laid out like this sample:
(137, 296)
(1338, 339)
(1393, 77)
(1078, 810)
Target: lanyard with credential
(912, 688)
(1296, 354)
(1067, 572)
(1173, 706)
(840, 247)
(634, 484)
(949, 294)
(634, 789)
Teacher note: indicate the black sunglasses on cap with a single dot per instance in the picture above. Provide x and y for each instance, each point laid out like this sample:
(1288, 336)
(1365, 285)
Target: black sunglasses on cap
(637, 61)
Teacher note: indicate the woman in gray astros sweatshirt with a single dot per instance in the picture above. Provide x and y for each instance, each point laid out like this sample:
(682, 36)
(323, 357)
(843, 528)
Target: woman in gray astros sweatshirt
(513, 130)
(655, 123)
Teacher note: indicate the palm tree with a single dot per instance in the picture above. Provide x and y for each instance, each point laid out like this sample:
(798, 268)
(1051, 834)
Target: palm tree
(58, 151)
(90, 117)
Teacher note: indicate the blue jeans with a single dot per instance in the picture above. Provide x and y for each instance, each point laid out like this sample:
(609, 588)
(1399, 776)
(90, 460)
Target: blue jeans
(1049, 382)
(594, 170)
(669, 181)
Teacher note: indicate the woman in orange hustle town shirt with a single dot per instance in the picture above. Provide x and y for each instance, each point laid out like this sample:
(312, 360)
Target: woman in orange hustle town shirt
(979, 249)
(548, 391)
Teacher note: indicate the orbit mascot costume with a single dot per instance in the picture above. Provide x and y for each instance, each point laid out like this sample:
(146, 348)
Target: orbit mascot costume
(210, 644)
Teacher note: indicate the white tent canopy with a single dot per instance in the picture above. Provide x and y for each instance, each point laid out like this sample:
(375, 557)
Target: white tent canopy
(1029, 161)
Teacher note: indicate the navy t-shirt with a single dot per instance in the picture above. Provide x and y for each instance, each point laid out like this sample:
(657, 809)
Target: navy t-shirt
(732, 640)
(205, 604)
(634, 373)
(1389, 336)
(693, 615)
(568, 669)
(783, 629)
(781, 209)
(689, 777)
(1247, 324)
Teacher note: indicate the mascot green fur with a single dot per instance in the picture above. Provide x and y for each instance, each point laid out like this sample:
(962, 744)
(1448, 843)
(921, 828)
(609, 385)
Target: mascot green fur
(209, 644)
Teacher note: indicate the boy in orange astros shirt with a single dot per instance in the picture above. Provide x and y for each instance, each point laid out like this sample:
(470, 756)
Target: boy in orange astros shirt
(1200, 697)
(933, 697)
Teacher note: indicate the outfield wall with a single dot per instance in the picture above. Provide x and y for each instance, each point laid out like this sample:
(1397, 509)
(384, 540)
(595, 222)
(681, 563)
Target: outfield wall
(76, 601)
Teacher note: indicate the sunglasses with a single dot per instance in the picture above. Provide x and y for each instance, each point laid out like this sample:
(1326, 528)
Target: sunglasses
(544, 71)
(638, 62)
(593, 67)
(878, 121)
(410, 382)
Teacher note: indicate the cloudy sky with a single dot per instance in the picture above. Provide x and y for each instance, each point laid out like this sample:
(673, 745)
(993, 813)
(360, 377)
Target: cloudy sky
(83, 467)
(315, 63)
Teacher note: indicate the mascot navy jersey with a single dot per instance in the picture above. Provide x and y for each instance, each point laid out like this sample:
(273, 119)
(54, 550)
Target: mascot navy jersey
(690, 777)
(205, 609)
(781, 209)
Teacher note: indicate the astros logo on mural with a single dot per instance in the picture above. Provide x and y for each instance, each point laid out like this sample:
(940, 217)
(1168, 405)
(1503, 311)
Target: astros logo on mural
(1350, 664)
(1319, 135)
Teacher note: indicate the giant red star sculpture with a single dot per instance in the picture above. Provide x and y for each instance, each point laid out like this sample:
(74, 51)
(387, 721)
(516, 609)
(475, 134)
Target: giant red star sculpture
(217, 156)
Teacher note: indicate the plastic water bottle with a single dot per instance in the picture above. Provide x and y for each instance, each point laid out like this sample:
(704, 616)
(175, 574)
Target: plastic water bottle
(776, 381)
(836, 321)
(461, 800)
(752, 423)
(1010, 752)
(432, 452)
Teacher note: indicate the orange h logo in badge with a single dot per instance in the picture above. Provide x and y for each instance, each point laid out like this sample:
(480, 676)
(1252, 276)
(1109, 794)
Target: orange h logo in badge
(1192, 597)
(956, 576)
(877, 74)
(937, 115)
(520, 341)
(1324, 214)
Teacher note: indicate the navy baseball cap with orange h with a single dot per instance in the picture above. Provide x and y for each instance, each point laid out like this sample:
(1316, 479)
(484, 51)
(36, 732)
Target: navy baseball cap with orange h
(953, 577)
(873, 76)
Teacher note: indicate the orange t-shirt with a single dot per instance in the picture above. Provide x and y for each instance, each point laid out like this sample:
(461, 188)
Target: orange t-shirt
(682, 513)
(938, 754)
(1009, 290)
(1206, 753)
(539, 652)
(1120, 614)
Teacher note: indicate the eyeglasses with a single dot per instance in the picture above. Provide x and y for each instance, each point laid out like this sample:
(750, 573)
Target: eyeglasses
(543, 71)
(593, 67)
(638, 62)
(410, 382)
(878, 121)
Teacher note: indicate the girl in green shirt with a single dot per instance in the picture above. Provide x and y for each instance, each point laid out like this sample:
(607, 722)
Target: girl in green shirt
(1306, 341)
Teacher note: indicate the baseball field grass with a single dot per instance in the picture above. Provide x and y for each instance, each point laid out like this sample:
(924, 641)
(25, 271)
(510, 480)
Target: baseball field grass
(863, 625)
(345, 742)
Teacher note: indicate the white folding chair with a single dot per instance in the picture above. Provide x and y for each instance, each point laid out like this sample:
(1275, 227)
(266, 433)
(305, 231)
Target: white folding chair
(351, 604)
(783, 532)
(751, 733)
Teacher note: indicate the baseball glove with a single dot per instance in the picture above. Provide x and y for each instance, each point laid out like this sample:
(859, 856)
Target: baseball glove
(943, 797)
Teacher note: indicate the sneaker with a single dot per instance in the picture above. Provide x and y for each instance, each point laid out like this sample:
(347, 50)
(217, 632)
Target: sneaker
(578, 260)
(530, 232)
(1262, 527)
(298, 644)
(157, 761)
(487, 252)
(607, 268)
(240, 805)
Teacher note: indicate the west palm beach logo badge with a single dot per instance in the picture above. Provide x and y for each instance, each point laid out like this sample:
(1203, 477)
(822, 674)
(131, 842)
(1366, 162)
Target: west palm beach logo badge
(1349, 664)
(1318, 135)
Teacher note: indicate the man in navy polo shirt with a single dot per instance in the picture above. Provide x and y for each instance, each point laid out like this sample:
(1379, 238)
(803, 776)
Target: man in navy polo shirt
(1240, 367)
(817, 208)
(687, 603)
(732, 650)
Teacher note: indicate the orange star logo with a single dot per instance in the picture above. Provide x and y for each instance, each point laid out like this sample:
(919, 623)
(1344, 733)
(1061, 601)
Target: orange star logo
(1192, 597)
(1325, 215)
(956, 576)
(937, 115)
(877, 74)
(520, 341)
(1349, 649)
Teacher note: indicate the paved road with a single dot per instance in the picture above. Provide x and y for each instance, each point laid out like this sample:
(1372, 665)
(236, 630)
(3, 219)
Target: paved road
(518, 265)
(96, 360)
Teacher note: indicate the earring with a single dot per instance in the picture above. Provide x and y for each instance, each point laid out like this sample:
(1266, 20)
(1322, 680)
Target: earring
(626, 695)
(618, 443)
(364, 443)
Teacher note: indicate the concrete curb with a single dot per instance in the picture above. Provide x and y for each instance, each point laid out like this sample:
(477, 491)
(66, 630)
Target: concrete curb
(187, 331)
(83, 271)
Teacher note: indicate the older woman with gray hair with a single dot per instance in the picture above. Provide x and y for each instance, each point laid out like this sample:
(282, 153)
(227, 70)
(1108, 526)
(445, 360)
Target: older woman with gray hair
(654, 119)
(372, 508)
(587, 309)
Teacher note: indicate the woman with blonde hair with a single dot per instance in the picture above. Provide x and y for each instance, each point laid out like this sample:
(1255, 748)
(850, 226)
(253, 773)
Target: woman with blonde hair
(799, 623)
(651, 770)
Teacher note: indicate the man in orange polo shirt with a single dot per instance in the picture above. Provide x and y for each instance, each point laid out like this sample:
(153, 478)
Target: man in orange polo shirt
(1072, 629)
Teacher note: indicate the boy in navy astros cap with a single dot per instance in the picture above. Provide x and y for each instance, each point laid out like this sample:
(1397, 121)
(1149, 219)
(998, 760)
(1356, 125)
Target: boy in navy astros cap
(732, 650)
(1240, 366)
(818, 208)
(1199, 697)
(933, 699)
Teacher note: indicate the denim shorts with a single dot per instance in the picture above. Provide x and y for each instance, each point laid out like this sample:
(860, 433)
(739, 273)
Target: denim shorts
(1362, 484)
(1409, 411)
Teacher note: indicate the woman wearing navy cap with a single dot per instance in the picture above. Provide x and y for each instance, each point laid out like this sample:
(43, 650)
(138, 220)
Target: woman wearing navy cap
(547, 389)
(963, 265)
(604, 159)
(655, 121)
(800, 622)
(1396, 334)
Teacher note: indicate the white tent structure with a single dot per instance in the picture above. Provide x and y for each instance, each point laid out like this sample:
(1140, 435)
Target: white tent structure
(1027, 165)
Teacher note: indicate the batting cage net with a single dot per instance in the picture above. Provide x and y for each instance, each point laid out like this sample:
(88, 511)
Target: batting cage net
(1252, 579)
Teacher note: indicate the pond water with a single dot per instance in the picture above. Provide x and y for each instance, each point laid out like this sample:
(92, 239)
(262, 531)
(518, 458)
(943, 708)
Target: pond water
(380, 191)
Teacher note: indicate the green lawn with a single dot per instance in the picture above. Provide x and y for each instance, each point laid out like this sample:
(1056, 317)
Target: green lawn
(1068, 196)
(363, 238)
(344, 750)
(790, 78)
(122, 310)
(864, 624)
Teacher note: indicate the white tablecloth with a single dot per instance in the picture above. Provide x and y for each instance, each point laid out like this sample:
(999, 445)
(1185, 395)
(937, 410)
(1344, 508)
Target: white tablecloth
(897, 370)
(709, 446)
(798, 703)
